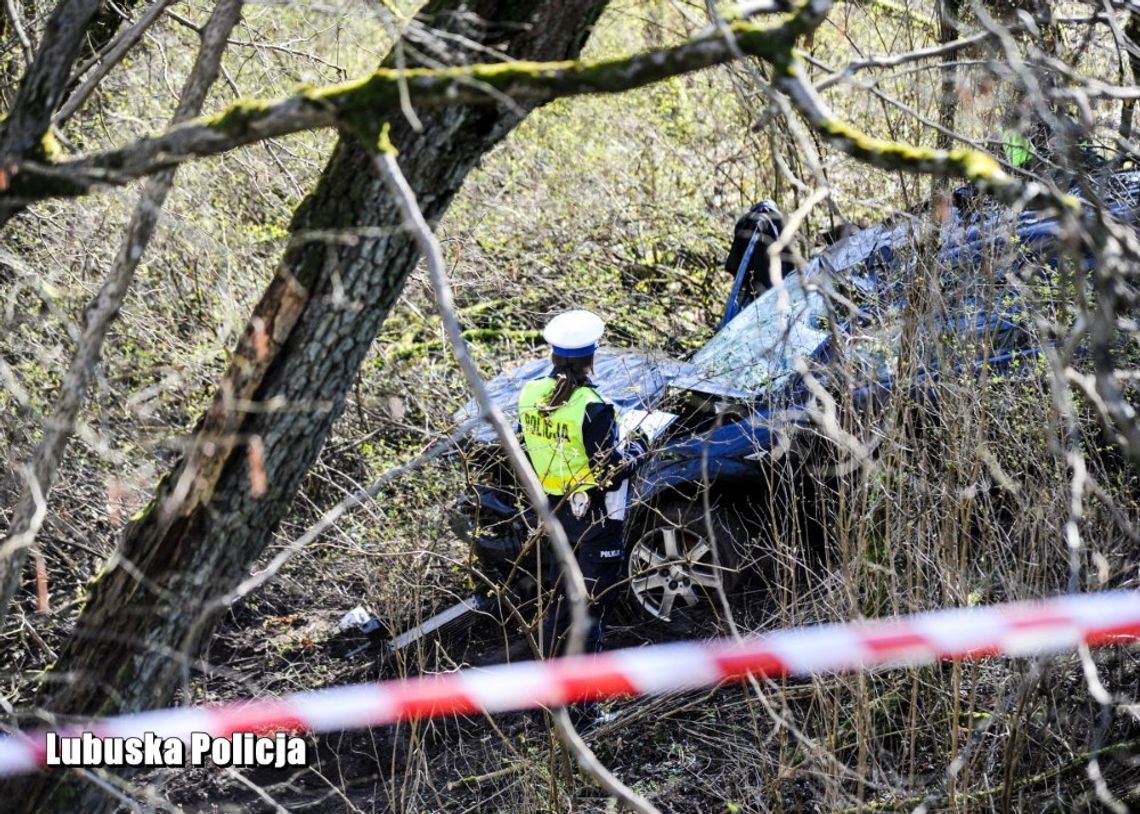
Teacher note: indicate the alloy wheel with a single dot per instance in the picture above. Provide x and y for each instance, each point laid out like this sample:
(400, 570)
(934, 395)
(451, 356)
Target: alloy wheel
(672, 566)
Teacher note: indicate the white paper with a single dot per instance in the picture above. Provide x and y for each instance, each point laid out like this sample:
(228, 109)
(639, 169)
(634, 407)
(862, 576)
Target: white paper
(616, 500)
(651, 424)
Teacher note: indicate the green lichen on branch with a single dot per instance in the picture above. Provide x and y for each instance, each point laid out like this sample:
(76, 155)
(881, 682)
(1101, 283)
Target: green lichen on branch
(236, 119)
(973, 165)
(363, 106)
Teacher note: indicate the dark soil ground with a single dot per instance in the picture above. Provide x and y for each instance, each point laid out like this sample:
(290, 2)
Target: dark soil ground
(453, 764)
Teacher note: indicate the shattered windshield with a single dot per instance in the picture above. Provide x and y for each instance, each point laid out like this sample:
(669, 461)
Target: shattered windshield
(764, 340)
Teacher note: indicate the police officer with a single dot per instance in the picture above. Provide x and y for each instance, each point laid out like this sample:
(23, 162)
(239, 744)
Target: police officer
(571, 438)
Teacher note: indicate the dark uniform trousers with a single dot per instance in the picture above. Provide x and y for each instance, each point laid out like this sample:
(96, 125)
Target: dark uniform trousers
(598, 547)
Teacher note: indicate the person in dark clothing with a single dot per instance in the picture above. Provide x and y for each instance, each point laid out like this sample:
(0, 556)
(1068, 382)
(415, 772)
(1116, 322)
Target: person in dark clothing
(571, 438)
(747, 259)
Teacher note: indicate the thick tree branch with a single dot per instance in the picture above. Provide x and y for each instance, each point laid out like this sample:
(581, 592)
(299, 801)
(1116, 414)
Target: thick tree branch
(899, 10)
(974, 165)
(362, 105)
(13, 16)
(44, 84)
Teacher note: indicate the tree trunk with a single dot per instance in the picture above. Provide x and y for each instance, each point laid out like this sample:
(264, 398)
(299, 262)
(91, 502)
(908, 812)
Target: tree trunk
(156, 600)
(949, 12)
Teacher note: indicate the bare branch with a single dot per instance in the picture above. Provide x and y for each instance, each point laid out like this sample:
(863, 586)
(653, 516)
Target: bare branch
(385, 161)
(363, 106)
(123, 43)
(101, 312)
(974, 165)
(330, 518)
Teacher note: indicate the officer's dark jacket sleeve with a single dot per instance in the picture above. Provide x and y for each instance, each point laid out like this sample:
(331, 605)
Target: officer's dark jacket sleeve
(600, 433)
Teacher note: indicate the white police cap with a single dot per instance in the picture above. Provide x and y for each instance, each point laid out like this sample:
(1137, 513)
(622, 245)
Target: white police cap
(574, 333)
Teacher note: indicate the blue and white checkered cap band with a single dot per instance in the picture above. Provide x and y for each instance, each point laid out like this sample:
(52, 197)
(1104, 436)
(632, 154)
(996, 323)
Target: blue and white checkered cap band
(574, 333)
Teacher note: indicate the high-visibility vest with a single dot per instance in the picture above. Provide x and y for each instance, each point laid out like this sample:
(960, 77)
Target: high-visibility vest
(553, 437)
(1018, 149)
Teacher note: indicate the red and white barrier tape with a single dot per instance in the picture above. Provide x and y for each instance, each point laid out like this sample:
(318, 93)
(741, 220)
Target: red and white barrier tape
(1011, 630)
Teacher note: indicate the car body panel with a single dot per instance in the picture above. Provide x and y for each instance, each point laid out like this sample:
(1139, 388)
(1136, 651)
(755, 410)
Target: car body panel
(749, 377)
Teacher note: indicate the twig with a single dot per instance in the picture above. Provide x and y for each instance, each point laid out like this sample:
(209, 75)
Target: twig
(895, 60)
(330, 517)
(576, 593)
(1027, 782)
(44, 82)
(385, 160)
(784, 239)
(475, 780)
(261, 793)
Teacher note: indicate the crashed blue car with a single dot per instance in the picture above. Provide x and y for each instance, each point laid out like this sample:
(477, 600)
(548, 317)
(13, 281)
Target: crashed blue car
(787, 393)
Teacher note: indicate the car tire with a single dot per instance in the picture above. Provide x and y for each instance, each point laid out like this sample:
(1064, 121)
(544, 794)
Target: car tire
(670, 563)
